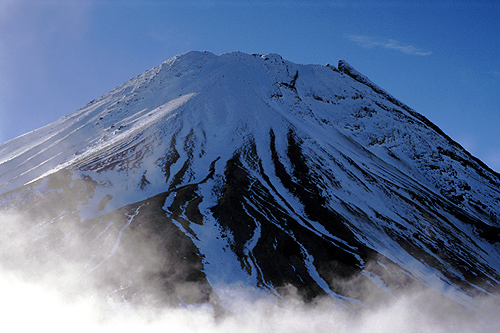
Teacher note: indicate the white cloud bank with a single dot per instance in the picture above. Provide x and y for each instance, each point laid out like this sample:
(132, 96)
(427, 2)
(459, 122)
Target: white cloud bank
(391, 44)
(38, 295)
(28, 307)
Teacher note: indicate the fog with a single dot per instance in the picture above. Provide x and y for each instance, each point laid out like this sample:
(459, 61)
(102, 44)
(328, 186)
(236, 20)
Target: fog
(47, 283)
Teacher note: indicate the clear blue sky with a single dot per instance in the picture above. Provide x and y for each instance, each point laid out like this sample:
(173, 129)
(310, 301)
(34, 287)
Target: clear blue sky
(440, 57)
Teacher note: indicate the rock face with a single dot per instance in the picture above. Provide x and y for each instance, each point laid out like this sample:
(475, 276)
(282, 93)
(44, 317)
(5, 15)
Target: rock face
(209, 171)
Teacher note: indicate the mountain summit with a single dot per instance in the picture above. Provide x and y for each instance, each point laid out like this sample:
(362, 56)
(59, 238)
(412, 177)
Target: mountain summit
(249, 170)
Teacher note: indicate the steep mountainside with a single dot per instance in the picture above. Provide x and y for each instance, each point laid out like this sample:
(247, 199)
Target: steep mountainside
(209, 171)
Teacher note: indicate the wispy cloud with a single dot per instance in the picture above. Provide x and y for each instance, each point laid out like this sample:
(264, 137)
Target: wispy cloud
(391, 44)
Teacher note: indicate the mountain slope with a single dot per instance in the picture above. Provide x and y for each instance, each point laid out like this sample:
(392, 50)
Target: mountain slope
(209, 171)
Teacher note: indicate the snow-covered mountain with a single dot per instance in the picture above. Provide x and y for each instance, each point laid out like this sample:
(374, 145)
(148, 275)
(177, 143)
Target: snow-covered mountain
(250, 170)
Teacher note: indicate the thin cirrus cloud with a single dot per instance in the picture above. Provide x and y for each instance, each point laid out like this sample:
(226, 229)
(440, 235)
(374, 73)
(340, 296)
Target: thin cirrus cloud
(391, 44)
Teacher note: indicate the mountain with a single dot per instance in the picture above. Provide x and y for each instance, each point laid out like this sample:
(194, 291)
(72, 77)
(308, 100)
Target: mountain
(250, 171)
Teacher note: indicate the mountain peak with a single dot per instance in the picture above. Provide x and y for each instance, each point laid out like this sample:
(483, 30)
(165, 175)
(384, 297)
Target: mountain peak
(253, 170)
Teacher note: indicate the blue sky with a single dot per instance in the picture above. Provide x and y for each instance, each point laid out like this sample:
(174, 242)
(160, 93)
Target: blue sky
(440, 57)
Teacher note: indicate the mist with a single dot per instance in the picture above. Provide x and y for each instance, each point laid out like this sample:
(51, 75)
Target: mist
(66, 276)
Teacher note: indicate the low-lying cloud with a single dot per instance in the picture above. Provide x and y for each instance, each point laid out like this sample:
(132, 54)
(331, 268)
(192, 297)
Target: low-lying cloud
(35, 307)
(48, 282)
